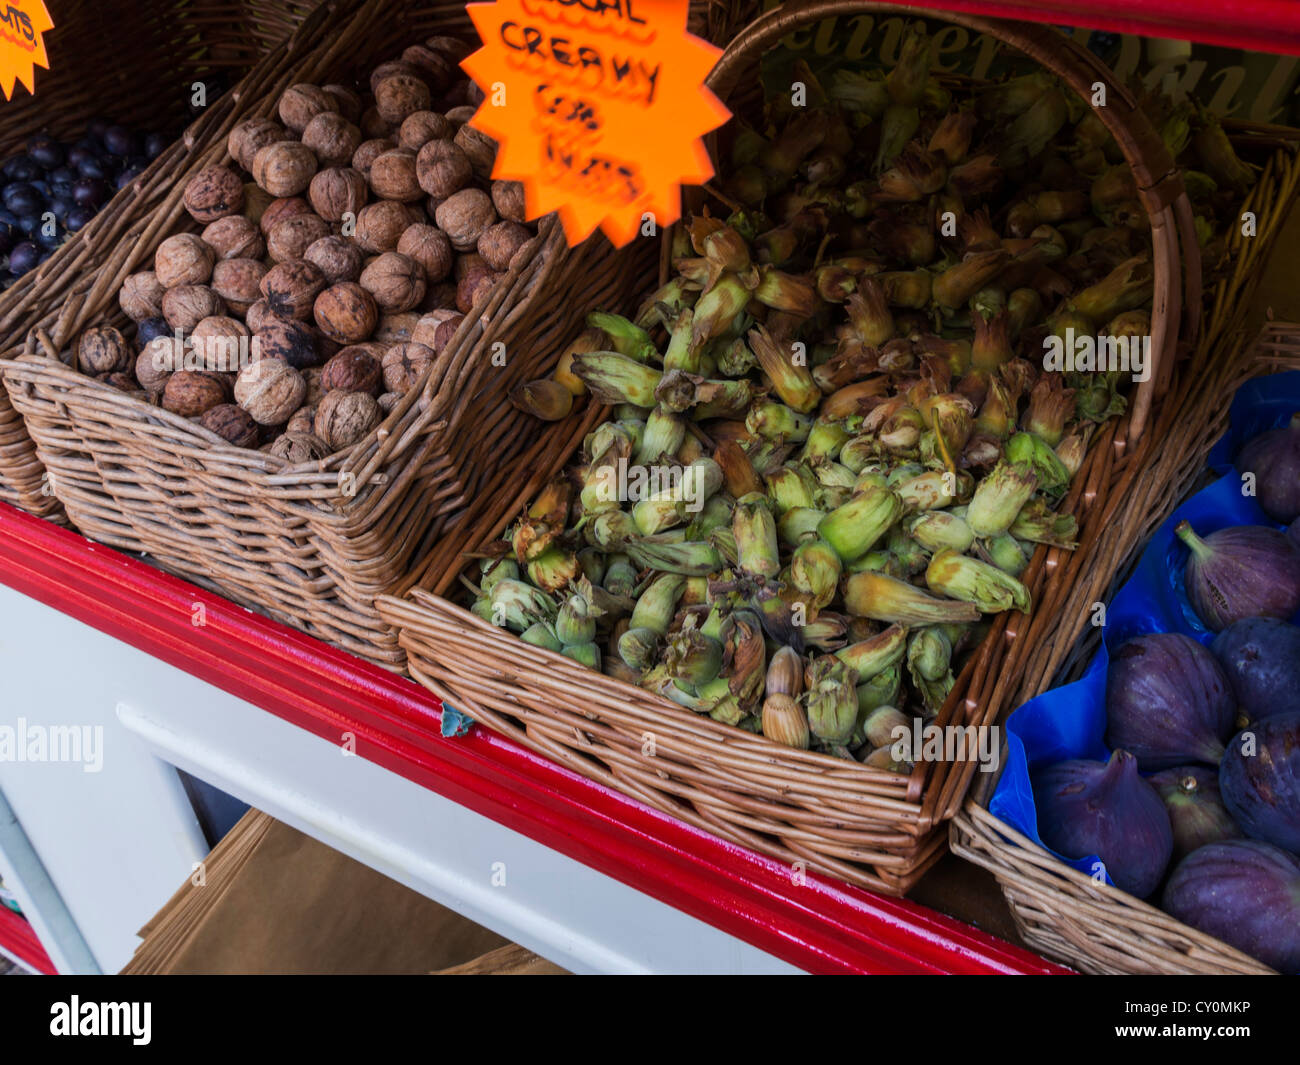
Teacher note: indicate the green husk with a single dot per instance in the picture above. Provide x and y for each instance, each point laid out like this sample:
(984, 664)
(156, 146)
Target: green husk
(882, 598)
(627, 338)
(614, 378)
(871, 656)
(853, 529)
(999, 497)
(754, 528)
(986, 586)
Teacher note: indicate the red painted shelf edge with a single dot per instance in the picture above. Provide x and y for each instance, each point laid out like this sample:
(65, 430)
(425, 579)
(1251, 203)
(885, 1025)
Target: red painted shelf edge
(19, 938)
(821, 925)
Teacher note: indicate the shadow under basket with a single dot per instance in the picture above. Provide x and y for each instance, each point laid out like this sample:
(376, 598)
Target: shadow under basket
(870, 827)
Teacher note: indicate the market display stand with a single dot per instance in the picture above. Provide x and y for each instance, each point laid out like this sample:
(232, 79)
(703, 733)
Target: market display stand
(354, 756)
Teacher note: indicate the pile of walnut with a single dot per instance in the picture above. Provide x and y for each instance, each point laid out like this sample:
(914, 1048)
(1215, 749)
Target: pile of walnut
(365, 236)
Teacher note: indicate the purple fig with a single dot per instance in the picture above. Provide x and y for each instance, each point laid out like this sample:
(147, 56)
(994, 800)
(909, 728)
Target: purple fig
(1261, 659)
(1293, 534)
(1246, 571)
(1245, 893)
(1274, 458)
(1195, 807)
(1168, 702)
(1260, 780)
(1106, 809)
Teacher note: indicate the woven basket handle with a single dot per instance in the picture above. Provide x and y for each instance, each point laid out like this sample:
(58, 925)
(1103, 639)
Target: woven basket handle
(1159, 184)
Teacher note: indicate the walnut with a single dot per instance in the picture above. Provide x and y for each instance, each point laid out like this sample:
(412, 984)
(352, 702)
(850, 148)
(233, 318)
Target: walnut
(256, 201)
(282, 209)
(395, 328)
(141, 296)
(474, 288)
(395, 280)
(499, 243)
(403, 364)
(348, 102)
(442, 336)
(284, 168)
(346, 312)
(429, 247)
(270, 390)
(160, 358)
(303, 420)
(296, 448)
(369, 151)
(315, 391)
(392, 176)
(190, 393)
(185, 306)
(299, 104)
(508, 199)
(464, 216)
(373, 125)
(102, 350)
(380, 226)
(355, 369)
(443, 169)
(259, 314)
(292, 237)
(343, 418)
(337, 192)
(220, 343)
(232, 423)
(291, 287)
(288, 340)
(400, 95)
(234, 237)
(122, 381)
(339, 259)
(251, 134)
(183, 260)
(451, 46)
(474, 96)
(427, 326)
(438, 69)
(332, 138)
(393, 68)
(212, 193)
(469, 264)
(238, 282)
(440, 297)
(458, 116)
(420, 128)
(479, 148)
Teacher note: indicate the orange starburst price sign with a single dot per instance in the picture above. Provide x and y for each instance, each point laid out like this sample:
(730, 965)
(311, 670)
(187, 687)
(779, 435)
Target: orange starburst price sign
(22, 50)
(598, 107)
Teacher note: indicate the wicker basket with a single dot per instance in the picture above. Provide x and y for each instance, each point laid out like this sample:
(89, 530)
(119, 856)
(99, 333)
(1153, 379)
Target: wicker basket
(158, 50)
(314, 544)
(870, 827)
(1059, 911)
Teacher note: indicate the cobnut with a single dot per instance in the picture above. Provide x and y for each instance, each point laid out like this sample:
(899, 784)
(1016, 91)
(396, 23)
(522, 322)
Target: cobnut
(395, 280)
(464, 216)
(354, 369)
(291, 287)
(296, 448)
(191, 393)
(220, 344)
(303, 420)
(238, 282)
(183, 260)
(284, 168)
(214, 192)
(373, 125)
(474, 288)
(141, 296)
(299, 104)
(429, 247)
(332, 138)
(348, 102)
(291, 238)
(185, 306)
(369, 151)
(400, 95)
(395, 328)
(250, 135)
(508, 199)
(288, 340)
(339, 259)
(232, 423)
(499, 243)
(234, 237)
(392, 176)
(280, 210)
(103, 350)
(270, 390)
(380, 226)
(480, 148)
(420, 128)
(343, 418)
(403, 364)
(346, 312)
(337, 192)
(160, 358)
(442, 168)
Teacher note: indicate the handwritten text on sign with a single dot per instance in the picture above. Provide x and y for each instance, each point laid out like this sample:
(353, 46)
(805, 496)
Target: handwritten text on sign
(598, 107)
(22, 49)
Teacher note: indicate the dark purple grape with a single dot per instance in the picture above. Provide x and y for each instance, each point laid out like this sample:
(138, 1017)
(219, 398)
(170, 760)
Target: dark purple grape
(24, 256)
(46, 151)
(121, 141)
(25, 169)
(98, 126)
(128, 175)
(155, 144)
(91, 192)
(93, 167)
(6, 241)
(29, 223)
(61, 181)
(60, 206)
(149, 329)
(23, 198)
(50, 237)
(78, 217)
(78, 155)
